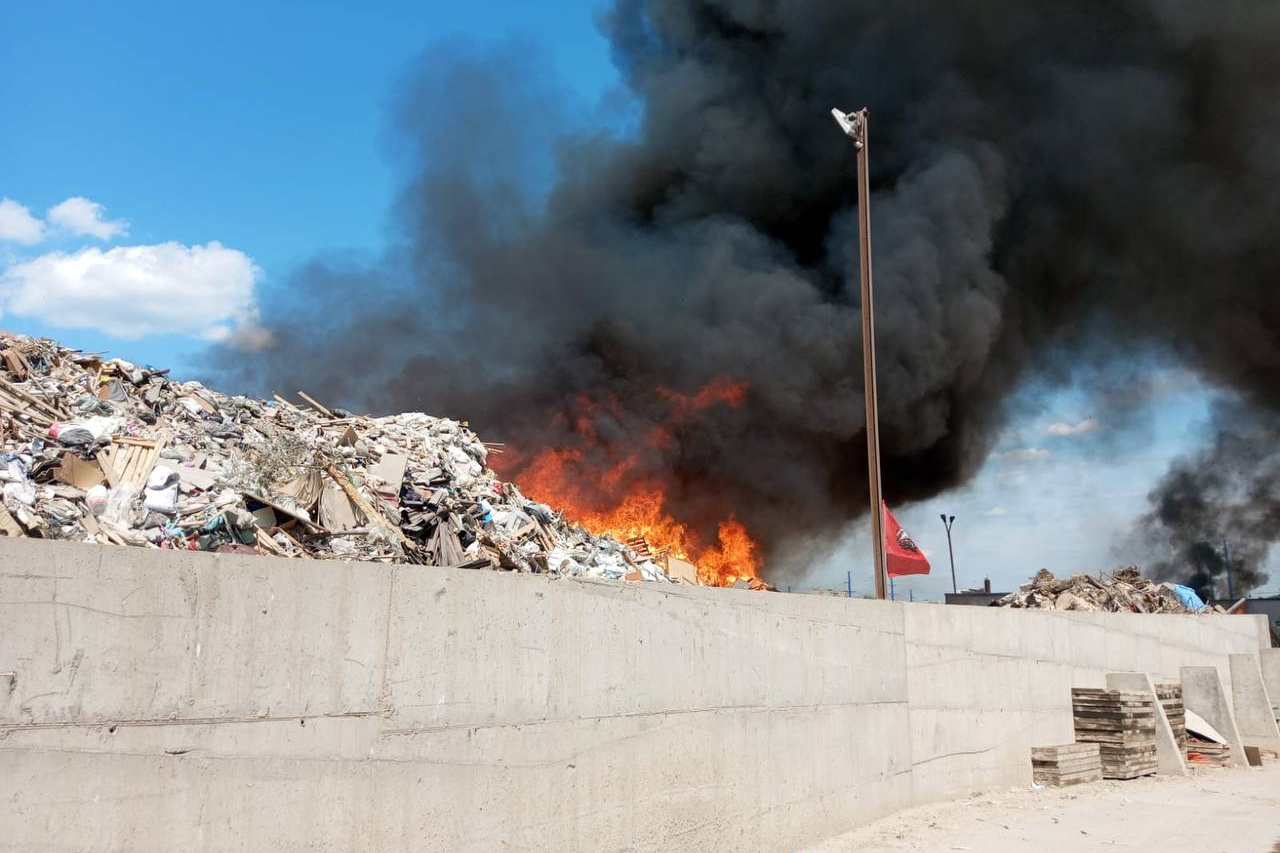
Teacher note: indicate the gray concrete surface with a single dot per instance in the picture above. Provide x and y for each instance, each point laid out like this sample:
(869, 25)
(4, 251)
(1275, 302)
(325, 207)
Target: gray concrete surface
(1269, 661)
(1252, 704)
(1203, 692)
(173, 701)
(1169, 758)
(1215, 810)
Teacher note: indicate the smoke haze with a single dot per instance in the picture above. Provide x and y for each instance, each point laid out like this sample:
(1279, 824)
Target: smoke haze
(1084, 178)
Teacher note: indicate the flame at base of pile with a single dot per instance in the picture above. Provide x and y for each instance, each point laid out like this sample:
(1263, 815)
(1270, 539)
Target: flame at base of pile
(602, 488)
(641, 516)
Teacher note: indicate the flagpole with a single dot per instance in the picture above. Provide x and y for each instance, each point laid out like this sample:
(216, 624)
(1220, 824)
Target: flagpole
(855, 127)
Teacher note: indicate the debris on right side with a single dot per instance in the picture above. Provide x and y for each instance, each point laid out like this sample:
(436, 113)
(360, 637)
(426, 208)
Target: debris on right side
(1126, 591)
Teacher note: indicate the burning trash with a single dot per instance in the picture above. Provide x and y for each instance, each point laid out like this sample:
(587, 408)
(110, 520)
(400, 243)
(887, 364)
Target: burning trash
(106, 451)
(604, 487)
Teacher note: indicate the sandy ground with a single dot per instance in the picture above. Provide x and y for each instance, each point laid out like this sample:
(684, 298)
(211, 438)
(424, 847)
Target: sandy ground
(1216, 810)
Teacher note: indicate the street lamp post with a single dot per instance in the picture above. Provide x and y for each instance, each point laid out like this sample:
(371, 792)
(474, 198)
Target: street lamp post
(947, 521)
(854, 126)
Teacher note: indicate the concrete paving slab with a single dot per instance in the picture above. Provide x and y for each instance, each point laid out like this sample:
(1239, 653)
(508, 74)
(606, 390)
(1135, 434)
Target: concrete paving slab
(1254, 714)
(1203, 693)
(1169, 759)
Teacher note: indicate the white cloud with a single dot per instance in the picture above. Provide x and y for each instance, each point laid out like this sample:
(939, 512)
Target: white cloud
(1062, 428)
(134, 291)
(83, 217)
(18, 225)
(1024, 454)
(995, 512)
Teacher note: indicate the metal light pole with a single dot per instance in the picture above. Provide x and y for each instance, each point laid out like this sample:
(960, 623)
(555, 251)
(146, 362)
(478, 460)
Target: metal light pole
(1231, 581)
(854, 126)
(947, 522)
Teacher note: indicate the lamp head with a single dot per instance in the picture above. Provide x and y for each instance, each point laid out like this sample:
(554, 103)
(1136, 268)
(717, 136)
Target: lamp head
(851, 124)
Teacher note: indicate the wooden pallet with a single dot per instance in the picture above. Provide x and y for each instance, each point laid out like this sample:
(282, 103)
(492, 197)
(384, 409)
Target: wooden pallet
(129, 460)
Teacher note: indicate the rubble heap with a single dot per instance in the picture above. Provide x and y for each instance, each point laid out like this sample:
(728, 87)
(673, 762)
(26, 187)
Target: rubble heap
(106, 451)
(1126, 592)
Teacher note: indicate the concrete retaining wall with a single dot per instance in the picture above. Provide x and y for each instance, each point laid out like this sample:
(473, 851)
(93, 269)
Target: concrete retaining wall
(164, 701)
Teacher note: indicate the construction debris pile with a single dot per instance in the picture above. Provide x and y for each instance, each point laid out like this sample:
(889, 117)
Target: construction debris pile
(106, 451)
(1126, 592)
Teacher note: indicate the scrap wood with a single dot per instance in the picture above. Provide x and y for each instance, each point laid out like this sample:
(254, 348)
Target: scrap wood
(91, 526)
(23, 395)
(129, 460)
(364, 506)
(15, 363)
(108, 530)
(266, 542)
(18, 408)
(285, 533)
(315, 405)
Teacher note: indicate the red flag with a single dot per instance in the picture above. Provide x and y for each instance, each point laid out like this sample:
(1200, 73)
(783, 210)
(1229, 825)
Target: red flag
(901, 553)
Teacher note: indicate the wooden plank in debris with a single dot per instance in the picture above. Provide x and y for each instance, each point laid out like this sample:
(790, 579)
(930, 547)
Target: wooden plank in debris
(129, 460)
(641, 546)
(349, 436)
(269, 544)
(90, 525)
(364, 506)
(302, 551)
(23, 395)
(15, 363)
(315, 405)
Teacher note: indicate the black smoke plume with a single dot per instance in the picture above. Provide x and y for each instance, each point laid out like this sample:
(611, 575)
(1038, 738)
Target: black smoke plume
(1215, 514)
(1048, 178)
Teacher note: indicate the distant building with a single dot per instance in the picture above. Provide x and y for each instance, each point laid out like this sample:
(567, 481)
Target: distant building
(976, 597)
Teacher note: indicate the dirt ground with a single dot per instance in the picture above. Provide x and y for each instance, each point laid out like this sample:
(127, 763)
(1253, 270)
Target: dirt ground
(1216, 810)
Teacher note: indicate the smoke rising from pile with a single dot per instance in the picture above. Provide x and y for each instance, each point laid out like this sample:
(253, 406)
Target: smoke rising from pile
(1047, 178)
(1220, 506)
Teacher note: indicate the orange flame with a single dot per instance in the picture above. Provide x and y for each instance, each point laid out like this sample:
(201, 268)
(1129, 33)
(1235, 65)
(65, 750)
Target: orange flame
(611, 501)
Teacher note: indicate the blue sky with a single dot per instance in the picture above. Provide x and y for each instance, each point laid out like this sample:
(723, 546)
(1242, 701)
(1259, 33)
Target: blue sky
(236, 140)
(252, 124)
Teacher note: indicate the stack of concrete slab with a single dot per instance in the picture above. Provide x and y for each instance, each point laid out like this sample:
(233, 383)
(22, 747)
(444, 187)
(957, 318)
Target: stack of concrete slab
(1122, 724)
(1068, 764)
(1170, 696)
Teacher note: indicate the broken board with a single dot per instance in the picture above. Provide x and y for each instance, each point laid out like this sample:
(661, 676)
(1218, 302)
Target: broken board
(129, 460)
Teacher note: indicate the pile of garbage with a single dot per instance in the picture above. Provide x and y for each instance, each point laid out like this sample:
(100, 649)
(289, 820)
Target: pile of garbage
(1127, 591)
(101, 450)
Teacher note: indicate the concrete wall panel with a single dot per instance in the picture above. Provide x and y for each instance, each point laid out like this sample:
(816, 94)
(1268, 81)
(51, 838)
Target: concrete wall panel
(165, 701)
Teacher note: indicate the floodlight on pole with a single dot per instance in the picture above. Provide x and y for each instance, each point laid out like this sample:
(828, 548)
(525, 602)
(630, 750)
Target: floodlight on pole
(854, 125)
(947, 521)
